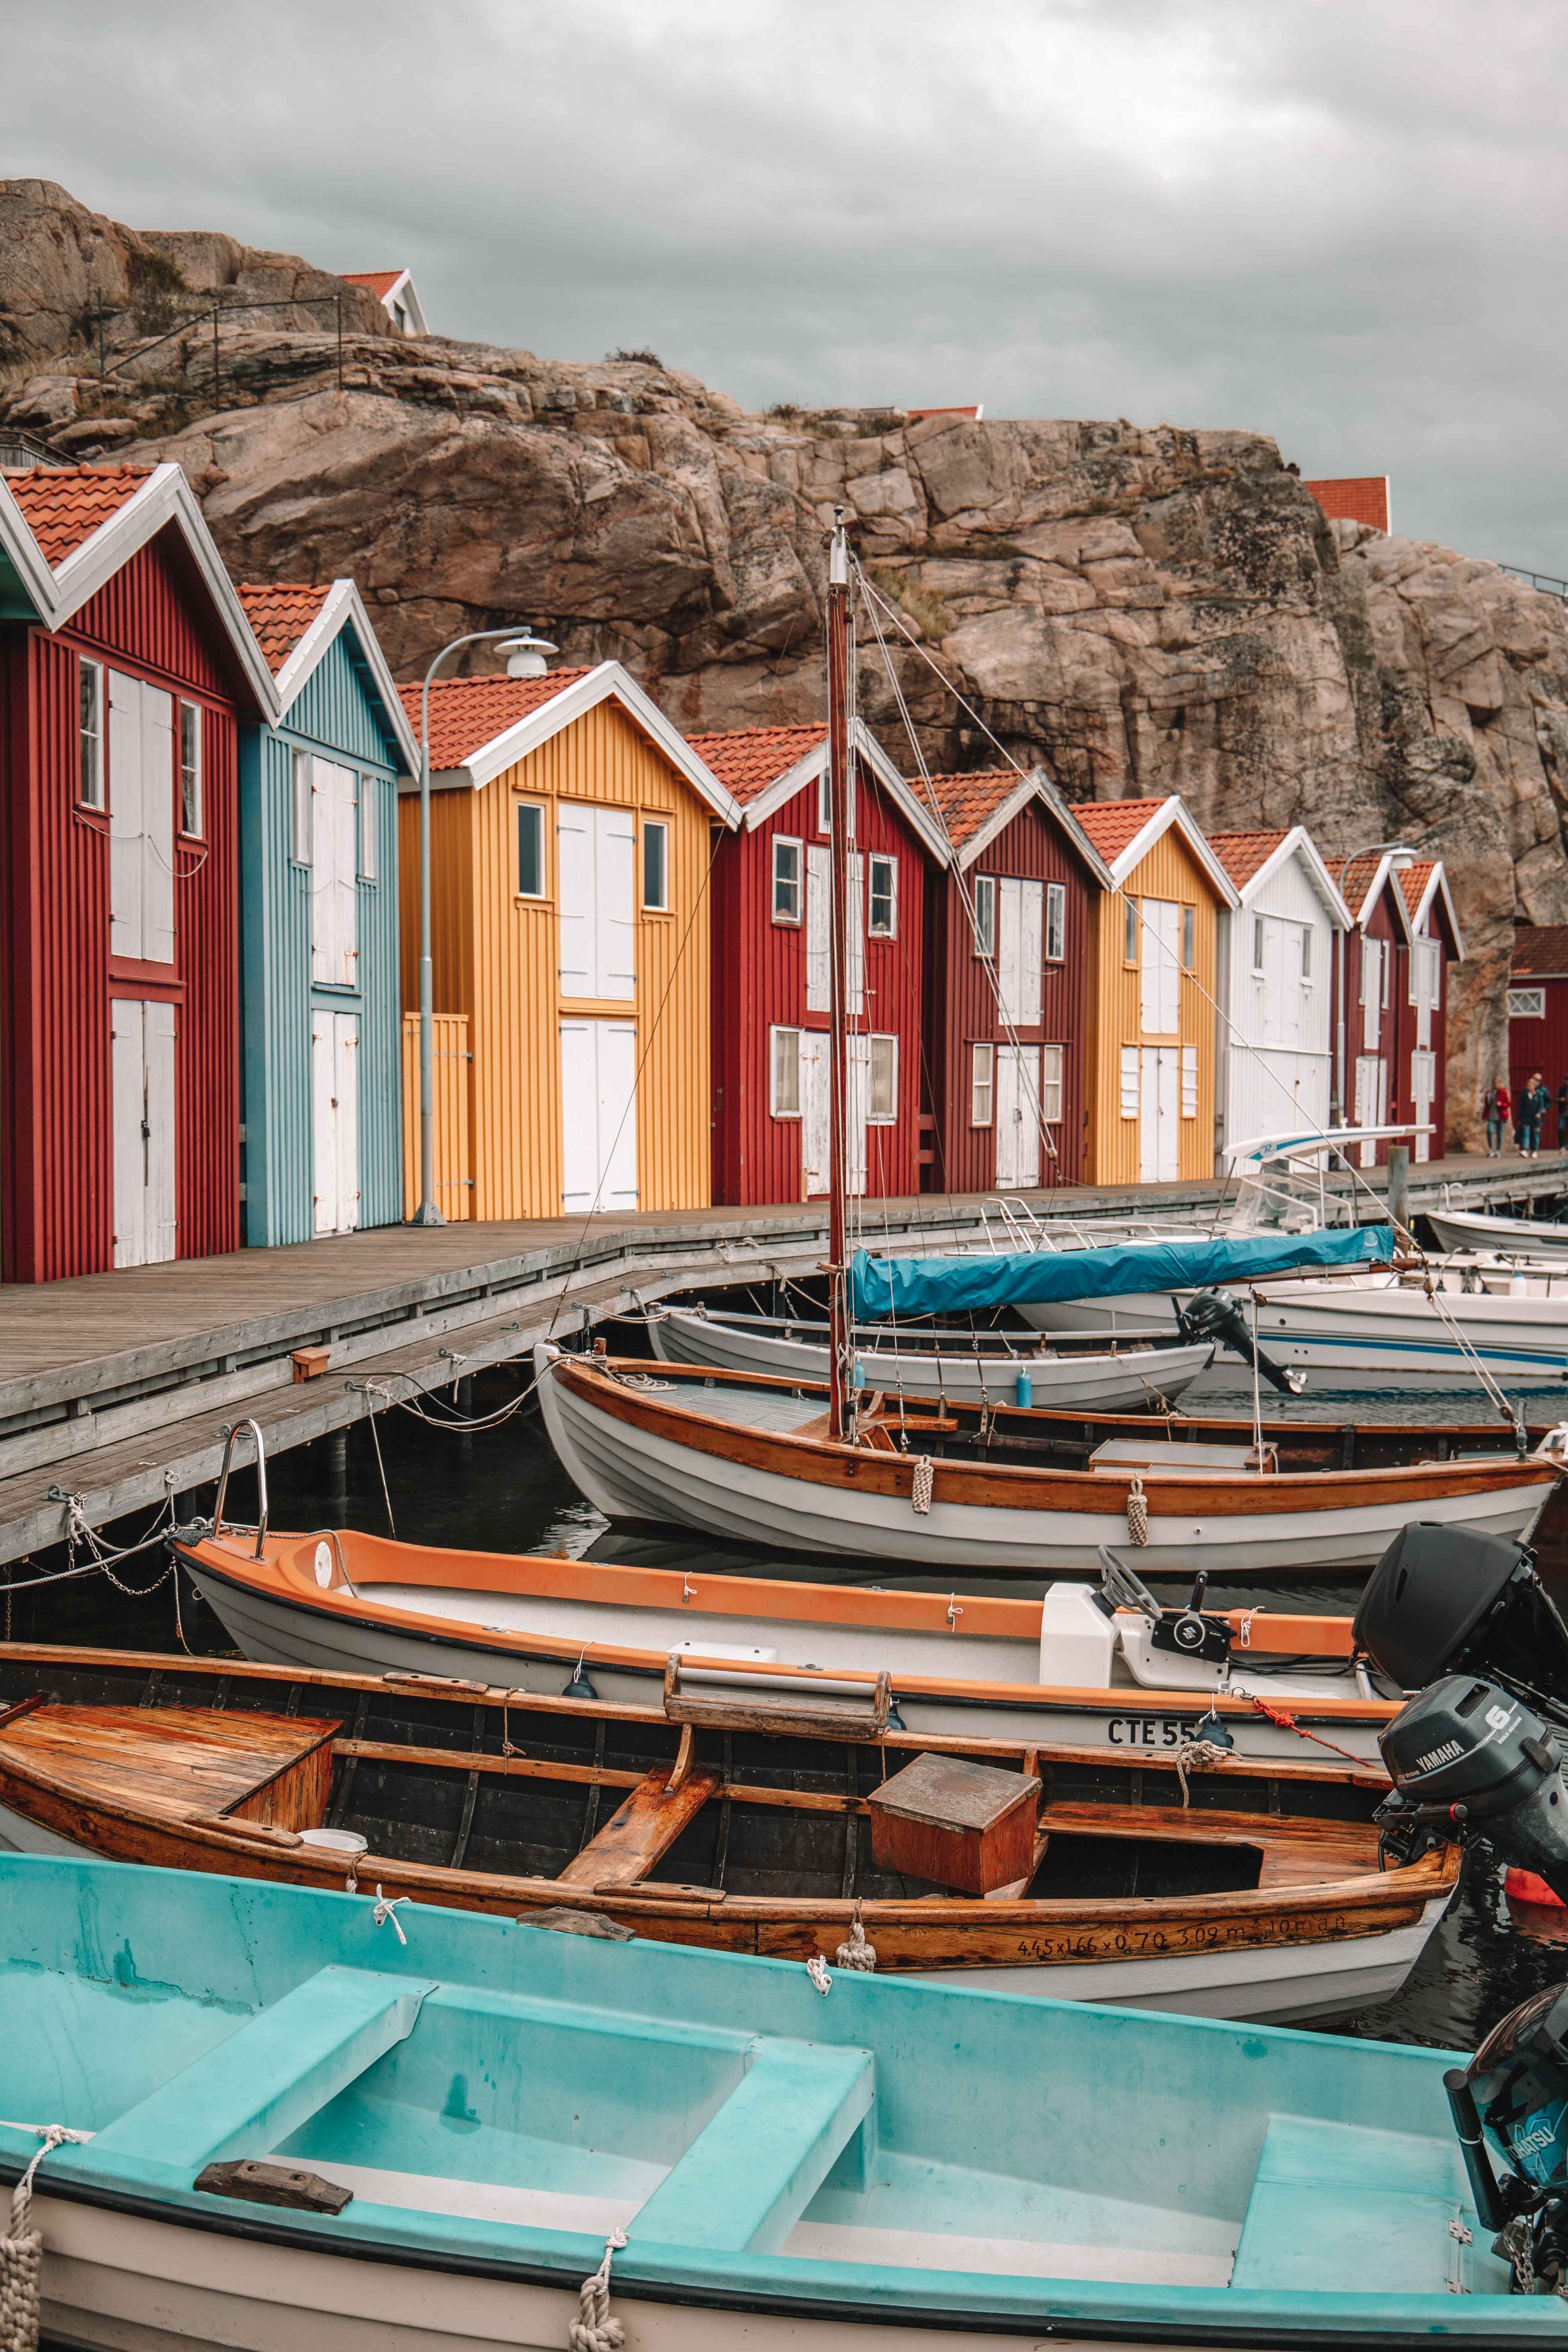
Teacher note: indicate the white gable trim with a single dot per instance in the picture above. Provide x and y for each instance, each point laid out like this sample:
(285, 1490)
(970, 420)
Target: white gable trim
(1360, 915)
(1299, 843)
(343, 608)
(25, 555)
(1416, 924)
(608, 682)
(166, 497)
(806, 771)
(1175, 811)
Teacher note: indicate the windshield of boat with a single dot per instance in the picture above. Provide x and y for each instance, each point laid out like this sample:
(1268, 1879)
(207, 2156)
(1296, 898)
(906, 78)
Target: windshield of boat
(1289, 1194)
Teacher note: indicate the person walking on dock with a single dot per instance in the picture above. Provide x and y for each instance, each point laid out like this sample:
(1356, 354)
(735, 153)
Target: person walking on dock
(1562, 1113)
(1496, 1106)
(1533, 1105)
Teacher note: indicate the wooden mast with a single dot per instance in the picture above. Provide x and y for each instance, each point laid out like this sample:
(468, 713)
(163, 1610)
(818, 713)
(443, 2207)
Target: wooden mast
(839, 765)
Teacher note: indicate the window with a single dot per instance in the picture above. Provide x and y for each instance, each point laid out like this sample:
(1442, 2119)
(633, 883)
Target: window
(784, 1064)
(1056, 921)
(985, 914)
(530, 850)
(883, 920)
(367, 795)
(982, 1085)
(786, 880)
(1386, 962)
(656, 867)
(1306, 952)
(1189, 1082)
(1129, 1082)
(91, 727)
(1257, 943)
(190, 768)
(825, 802)
(302, 808)
(1052, 1085)
(1189, 936)
(883, 1108)
(1130, 930)
(1527, 1005)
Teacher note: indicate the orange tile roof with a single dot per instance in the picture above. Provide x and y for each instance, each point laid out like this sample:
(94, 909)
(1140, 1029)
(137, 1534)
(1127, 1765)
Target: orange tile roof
(1112, 824)
(279, 613)
(380, 281)
(63, 505)
(1243, 855)
(1354, 498)
(1413, 881)
(968, 802)
(747, 760)
(1355, 880)
(1541, 954)
(467, 713)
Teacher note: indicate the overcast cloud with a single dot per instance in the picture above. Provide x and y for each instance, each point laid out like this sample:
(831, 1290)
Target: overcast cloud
(1338, 224)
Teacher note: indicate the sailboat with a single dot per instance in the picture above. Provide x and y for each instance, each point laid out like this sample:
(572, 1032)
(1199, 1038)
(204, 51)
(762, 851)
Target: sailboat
(833, 1466)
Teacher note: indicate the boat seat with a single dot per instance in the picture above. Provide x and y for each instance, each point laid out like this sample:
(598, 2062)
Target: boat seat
(754, 2167)
(250, 2091)
(1342, 2206)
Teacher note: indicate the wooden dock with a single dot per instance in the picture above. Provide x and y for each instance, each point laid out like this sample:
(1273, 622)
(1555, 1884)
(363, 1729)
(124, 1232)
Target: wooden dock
(117, 1389)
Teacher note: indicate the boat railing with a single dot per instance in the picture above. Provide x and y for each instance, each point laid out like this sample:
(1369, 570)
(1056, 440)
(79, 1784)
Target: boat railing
(260, 1479)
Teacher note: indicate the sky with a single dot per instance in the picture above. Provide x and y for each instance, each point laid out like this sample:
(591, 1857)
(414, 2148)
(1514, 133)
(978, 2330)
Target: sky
(1340, 224)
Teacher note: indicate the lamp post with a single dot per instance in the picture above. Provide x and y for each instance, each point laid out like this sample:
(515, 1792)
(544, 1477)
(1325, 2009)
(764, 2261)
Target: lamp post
(527, 653)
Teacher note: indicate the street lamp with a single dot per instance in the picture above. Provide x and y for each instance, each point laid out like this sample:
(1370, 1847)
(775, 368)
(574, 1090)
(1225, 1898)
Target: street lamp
(527, 659)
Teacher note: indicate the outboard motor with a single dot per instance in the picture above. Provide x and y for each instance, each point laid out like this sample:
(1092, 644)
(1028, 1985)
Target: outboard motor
(1446, 1601)
(1509, 2107)
(1214, 1315)
(1471, 1764)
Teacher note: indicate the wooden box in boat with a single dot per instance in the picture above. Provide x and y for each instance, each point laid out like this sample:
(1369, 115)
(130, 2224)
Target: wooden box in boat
(963, 1825)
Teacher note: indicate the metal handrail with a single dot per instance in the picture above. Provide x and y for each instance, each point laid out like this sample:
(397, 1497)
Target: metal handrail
(260, 1480)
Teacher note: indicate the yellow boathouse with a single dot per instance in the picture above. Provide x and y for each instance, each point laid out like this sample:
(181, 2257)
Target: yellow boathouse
(570, 849)
(1153, 997)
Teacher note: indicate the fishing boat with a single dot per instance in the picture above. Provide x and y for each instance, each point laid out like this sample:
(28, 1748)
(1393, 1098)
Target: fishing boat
(1542, 1240)
(295, 2119)
(959, 1489)
(1075, 1666)
(973, 1367)
(777, 1822)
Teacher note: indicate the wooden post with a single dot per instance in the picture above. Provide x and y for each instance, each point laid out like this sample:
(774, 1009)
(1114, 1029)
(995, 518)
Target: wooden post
(1399, 1184)
(839, 788)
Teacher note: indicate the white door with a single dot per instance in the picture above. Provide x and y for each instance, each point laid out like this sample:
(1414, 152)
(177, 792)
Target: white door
(815, 1112)
(1372, 954)
(819, 930)
(857, 1103)
(1371, 1099)
(1426, 986)
(1423, 1094)
(1020, 950)
(141, 822)
(335, 1087)
(1159, 1128)
(598, 1114)
(597, 899)
(1159, 974)
(1017, 1112)
(141, 1050)
(334, 872)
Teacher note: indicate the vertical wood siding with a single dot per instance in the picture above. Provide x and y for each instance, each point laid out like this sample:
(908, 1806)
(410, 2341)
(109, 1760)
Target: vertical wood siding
(1533, 1045)
(451, 1088)
(147, 617)
(1170, 871)
(207, 1025)
(760, 983)
(1382, 924)
(961, 1009)
(1265, 1089)
(496, 958)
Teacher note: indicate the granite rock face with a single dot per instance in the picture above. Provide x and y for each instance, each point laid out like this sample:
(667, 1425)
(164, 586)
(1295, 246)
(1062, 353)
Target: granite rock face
(1142, 609)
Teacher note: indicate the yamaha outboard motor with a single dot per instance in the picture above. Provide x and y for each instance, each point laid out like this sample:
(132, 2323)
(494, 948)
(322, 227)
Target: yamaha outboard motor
(1510, 2107)
(1214, 1315)
(1446, 1601)
(1472, 1764)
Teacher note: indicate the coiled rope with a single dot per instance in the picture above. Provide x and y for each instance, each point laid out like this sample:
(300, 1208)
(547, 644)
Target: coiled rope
(1198, 1756)
(594, 2330)
(924, 1482)
(22, 2248)
(857, 1953)
(1137, 1513)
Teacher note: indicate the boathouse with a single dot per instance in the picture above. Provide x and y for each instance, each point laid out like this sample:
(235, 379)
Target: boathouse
(1537, 1008)
(126, 664)
(570, 871)
(1277, 953)
(323, 1036)
(1153, 976)
(1366, 1006)
(1431, 942)
(1007, 985)
(772, 934)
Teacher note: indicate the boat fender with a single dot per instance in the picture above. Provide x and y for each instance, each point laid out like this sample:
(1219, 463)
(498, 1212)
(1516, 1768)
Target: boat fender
(594, 2330)
(1137, 1513)
(563, 1921)
(580, 1686)
(924, 1481)
(857, 1953)
(1024, 1392)
(21, 2247)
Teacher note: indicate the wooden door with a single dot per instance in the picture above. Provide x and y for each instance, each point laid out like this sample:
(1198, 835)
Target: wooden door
(141, 781)
(597, 900)
(142, 1054)
(334, 1076)
(1159, 973)
(599, 1115)
(1020, 950)
(819, 931)
(1159, 1116)
(857, 1103)
(815, 1112)
(1423, 1095)
(1371, 1099)
(334, 862)
(1017, 1116)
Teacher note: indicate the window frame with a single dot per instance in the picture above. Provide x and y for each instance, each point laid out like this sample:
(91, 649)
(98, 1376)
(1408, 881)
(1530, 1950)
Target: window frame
(1189, 939)
(887, 1039)
(1258, 963)
(536, 809)
(1130, 930)
(984, 925)
(1307, 978)
(366, 831)
(1056, 921)
(649, 826)
(192, 712)
(791, 841)
(97, 800)
(776, 1031)
(1130, 1103)
(1537, 1011)
(1188, 1077)
(889, 930)
(1052, 1082)
(977, 1084)
(301, 822)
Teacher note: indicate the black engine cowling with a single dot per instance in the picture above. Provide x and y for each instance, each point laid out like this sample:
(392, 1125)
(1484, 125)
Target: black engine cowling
(1510, 2104)
(1469, 1760)
(1444, 1600)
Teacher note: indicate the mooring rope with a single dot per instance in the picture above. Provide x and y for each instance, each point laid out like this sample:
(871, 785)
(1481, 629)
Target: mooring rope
(21, 2247)
(594, 2329)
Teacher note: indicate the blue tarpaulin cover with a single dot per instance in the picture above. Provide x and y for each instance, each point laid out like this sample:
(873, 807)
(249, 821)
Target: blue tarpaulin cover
(886, 1288)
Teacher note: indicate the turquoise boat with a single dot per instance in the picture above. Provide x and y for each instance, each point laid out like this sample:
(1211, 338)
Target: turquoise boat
(553, 2138)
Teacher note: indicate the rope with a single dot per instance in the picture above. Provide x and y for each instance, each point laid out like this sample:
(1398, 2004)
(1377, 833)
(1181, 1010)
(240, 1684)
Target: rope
(1137, 1513)
(1198, 1756)
(594, 2330)
(857, 1953)
(1285, 1721)
(816, 1970)
(386, 1908)
(22, 2249)
(924, 1481)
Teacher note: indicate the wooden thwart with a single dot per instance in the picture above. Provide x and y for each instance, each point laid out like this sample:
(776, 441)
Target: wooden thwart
(644, 1827)
(745, 1701)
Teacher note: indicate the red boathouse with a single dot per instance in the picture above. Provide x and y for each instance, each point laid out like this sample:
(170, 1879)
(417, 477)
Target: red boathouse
(124, 661)
(1007, 985)
(1538, 1011)
(770, 893)
(1431, 943)
(1391, 1003)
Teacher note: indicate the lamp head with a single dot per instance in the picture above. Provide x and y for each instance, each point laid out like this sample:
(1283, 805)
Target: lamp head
(526, 656)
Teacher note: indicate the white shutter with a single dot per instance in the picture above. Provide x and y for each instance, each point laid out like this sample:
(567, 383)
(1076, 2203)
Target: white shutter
(128, 1067)
(1159, 973)
(614, 903)
(1426, 973)
(1171, 971)
(323, 874)
(347, 1026)
(815, 1109)
(345, 873)
(818, 928)
(856, 977)
(127, 879)
(158, 824)
(617, 1079)
(324, 1121)
(1170, 1147)
(1009, 948)
(575, 900)
(1031, 955)
(1423, 1094)
(1149, 1116)
(857, 1102)
(1189, 1082)
(1371, 992)
(1130, 1094)
(1371, 1096)
(579, 1114)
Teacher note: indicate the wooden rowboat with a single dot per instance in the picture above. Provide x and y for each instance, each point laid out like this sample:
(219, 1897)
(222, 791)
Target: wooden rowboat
(740, 1456)
(735, 1825)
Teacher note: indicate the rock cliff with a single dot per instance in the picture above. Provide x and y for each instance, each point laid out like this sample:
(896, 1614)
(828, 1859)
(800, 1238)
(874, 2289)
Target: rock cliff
(1143, 609)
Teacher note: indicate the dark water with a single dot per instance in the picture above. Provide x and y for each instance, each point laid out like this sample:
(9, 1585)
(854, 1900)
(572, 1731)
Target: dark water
(502, 1489)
